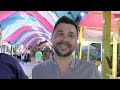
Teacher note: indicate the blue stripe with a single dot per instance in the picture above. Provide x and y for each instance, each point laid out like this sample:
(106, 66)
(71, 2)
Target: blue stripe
(25, 32)
(34, 43)
(9, 21)
(13, 18)
(30, 39)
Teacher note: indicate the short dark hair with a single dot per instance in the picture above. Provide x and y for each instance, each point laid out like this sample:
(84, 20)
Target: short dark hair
(65, 19)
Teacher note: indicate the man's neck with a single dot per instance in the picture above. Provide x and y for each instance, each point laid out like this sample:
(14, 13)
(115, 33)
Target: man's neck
(63, 64)
(63, 60)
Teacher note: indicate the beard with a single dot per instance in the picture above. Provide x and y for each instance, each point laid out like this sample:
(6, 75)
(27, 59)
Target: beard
(63, 53)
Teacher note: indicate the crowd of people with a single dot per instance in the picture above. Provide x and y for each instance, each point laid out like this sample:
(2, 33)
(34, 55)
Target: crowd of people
(43, 54)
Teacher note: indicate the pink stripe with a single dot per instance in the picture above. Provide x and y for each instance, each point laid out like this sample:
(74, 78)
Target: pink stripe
(36, 34)
(5, 14)
(19, 31)
(46, 23)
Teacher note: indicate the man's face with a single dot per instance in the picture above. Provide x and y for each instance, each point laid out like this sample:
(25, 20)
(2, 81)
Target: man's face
(64, 39)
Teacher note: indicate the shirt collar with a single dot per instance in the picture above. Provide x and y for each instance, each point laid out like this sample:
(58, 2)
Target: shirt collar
(72, 66)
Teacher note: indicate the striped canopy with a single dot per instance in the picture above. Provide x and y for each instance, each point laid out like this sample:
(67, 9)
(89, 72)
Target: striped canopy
(30, 27)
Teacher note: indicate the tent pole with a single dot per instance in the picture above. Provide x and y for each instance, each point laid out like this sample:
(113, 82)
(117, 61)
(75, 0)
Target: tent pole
(80, 39)
(88, 54)
(106, 44)
(114, 60)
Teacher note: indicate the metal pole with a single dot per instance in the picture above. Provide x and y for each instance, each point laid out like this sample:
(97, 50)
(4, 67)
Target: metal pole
(106, 44)
(88, 54)
(80, 38)
(114, 60)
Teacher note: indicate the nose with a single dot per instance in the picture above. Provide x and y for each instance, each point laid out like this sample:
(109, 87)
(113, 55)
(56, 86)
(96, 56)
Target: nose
(66, 38)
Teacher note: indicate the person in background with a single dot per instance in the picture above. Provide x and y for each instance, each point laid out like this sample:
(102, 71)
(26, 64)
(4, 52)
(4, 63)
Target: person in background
(38, 56)
(46, 54)
(63, 65)
(28, 54)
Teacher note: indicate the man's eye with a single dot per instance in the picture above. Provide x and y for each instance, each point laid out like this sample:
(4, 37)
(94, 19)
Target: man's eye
(71, 35)
(60, 34)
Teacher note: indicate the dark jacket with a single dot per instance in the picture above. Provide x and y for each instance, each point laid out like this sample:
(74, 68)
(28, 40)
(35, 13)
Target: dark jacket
(10, 68)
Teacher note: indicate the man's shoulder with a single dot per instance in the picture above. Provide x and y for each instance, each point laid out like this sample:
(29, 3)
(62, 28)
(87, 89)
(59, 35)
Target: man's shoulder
(9, 66)
(5, 56)
(88, 69)
(84, 63)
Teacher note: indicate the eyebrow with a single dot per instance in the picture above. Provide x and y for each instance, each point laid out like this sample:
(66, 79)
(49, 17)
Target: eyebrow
(60, 31)
(71, 32)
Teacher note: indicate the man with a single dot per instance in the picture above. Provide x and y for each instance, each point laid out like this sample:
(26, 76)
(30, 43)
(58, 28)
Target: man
(63, 65)
(10, 67)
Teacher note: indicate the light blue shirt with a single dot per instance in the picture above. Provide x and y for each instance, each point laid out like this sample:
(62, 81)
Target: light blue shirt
(79, 69)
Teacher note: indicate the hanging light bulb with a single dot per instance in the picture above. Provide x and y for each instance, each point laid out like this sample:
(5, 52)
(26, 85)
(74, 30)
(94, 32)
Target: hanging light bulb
(82, 14)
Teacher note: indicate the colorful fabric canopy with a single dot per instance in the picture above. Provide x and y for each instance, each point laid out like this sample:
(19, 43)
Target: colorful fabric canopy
(27, 27)
(30, 27)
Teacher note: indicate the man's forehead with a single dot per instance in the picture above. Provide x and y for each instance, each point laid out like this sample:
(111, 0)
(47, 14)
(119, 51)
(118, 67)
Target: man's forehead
(69, 31)
(65, 30)
(65, 25)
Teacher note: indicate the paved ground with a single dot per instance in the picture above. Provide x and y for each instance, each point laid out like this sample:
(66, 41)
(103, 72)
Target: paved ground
(27, 67)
